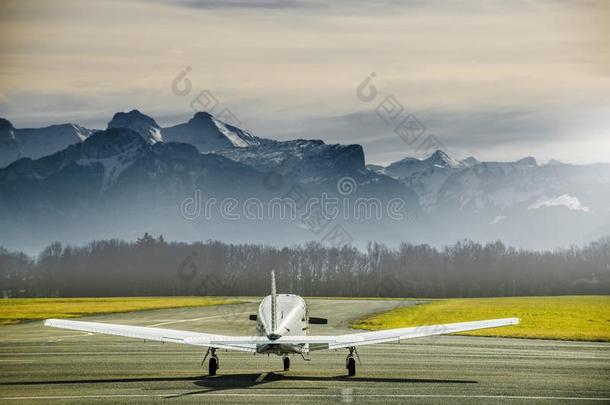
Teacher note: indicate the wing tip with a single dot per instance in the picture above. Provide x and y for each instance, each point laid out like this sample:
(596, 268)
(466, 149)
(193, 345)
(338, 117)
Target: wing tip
(51, 322)
(512, 321)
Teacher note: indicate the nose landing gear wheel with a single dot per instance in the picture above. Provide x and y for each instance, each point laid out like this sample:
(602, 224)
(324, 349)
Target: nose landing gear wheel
(350, 364)
(213, 365)
(286, 360)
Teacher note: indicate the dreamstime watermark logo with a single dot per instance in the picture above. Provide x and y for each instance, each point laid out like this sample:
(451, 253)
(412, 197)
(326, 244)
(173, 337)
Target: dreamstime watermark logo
(204, 100)
(292, 207)
(390, 111)
(319, 215)
(346, 186)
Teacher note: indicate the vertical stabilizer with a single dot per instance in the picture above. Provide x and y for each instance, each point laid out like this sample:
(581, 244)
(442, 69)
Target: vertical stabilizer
(273, 303)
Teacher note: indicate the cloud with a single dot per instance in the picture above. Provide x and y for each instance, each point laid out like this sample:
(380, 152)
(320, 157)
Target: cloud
(249, 4)
(489, 134)
(498, 219)
(360, 6)
(565, 200)
(494, 79)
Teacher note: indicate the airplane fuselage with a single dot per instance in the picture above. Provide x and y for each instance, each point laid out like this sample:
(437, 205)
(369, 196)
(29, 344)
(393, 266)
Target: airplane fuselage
(290, 320)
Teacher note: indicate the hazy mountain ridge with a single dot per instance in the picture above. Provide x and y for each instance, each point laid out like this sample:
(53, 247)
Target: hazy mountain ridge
(442, 182)
(203, 131)
(117, 158)
(548, 205)
(133, 176)
(35, 143)
(116, 183)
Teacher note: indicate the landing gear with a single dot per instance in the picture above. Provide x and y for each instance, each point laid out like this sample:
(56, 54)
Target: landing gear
(286, 361)
(350, 362)
(213, 365)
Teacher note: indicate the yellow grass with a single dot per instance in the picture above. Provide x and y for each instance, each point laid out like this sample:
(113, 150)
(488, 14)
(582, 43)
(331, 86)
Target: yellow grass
(15, 310)
(564, 318)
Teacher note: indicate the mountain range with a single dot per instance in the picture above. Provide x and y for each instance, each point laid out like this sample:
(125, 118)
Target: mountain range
(69, 183)
(37, 142)
(203, 131)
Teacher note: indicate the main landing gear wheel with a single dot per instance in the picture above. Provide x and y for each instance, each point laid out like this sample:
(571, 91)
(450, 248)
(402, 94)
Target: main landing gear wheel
(350, 365)
(213, 365)
(286, 360)
(350, 361)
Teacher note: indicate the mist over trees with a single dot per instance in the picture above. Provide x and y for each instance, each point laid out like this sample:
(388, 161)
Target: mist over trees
(152, 266)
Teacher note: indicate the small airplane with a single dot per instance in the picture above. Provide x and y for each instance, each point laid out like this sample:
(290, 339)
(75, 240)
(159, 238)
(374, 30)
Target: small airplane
(281, 328)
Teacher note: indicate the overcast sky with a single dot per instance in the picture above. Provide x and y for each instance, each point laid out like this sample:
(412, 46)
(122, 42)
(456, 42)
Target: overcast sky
(497, 80)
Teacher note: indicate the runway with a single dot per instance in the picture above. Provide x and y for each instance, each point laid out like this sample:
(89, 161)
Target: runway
(44, 365)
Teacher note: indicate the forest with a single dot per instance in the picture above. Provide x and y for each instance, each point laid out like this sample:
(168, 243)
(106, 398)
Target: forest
(152, 266)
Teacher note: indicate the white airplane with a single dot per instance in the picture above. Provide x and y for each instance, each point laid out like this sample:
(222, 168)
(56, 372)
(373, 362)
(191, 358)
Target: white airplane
(281, 328)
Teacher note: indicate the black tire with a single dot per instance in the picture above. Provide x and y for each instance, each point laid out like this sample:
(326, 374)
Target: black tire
(213, 365)
(286, 363)
(351, 366)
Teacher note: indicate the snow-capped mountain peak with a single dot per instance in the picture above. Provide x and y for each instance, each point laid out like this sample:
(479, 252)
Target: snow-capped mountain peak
(208, 133)
(16, 143)
(424, 176)
(440, 158)
(410, 166)
(138, 122)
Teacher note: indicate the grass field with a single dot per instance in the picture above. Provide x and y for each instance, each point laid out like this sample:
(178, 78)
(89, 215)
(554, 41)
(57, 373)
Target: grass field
(565, 318)
(15, 310)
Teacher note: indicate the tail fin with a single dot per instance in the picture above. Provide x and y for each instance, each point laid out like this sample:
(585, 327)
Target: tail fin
(273, 303)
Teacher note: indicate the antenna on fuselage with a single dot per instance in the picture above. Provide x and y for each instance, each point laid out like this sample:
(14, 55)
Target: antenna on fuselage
(273, 303)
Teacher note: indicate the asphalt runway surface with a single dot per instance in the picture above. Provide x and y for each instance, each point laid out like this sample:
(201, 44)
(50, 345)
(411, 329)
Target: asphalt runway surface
(46, 365)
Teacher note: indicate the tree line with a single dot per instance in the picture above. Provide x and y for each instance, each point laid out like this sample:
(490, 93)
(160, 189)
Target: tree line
(152, 266)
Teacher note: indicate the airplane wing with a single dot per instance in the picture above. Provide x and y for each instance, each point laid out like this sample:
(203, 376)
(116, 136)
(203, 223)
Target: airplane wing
(249, 343)
(156, 334)
(396, 335)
